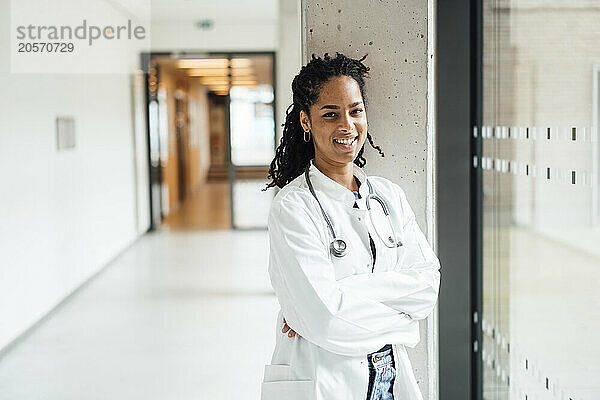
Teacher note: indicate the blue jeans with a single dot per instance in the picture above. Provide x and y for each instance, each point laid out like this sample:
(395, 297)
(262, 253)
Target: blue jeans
(381, 374)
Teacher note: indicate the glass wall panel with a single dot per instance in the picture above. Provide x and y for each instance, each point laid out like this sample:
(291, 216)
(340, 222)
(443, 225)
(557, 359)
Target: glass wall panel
(251, 111)
(252, 125)
(252, 128)
(541, 231)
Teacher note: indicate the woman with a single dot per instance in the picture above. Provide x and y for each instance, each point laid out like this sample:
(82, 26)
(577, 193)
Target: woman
(352, 283)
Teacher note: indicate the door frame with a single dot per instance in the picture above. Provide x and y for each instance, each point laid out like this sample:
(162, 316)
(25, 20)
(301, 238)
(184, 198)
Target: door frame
(458, 114)
(154, 175)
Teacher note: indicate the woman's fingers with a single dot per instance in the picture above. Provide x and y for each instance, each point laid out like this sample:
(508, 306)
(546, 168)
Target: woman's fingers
(286, 328)
(292, 332)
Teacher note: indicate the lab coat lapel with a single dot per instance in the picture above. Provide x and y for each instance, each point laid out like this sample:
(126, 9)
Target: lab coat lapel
(334, 190)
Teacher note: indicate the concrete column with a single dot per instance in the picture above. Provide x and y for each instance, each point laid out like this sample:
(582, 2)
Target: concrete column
(397, 36)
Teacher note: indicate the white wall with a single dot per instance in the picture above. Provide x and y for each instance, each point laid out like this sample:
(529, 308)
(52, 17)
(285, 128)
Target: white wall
(64, 215)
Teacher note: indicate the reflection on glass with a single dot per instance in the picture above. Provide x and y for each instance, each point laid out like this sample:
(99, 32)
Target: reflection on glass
(541, 237)
(252, 125)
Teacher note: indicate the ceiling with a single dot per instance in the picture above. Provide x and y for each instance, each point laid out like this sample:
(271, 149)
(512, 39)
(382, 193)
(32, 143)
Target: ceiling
(223, 10)
(248, 70)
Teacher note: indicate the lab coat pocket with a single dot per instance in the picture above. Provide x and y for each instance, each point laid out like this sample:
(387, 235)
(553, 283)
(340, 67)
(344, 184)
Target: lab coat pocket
(277, 385)
(288, 390)
(276, 372)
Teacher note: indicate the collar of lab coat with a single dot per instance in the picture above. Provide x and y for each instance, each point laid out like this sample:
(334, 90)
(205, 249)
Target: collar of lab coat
(336, 191)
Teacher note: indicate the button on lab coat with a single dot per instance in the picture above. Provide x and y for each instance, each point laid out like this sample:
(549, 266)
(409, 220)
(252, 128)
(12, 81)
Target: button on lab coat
(344, 308)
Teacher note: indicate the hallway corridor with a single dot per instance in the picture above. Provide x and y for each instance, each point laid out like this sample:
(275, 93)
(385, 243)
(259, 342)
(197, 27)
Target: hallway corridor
(178, 315)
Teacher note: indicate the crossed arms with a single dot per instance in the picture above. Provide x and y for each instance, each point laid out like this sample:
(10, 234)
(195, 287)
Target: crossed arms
(358, 314)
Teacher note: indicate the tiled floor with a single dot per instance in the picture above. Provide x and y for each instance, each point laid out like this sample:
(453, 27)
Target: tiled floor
(180, 315)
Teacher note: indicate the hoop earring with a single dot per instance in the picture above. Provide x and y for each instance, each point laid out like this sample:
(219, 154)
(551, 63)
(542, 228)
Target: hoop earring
(305, 139)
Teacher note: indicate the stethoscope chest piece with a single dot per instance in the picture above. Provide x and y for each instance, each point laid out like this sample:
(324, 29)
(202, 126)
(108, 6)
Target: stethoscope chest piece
(338, 247)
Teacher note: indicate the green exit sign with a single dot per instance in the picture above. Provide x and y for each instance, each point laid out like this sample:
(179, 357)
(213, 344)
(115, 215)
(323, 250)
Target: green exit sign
(204, 24)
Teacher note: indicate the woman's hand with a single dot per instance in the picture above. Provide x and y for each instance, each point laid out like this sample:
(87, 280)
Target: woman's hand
(287, 328)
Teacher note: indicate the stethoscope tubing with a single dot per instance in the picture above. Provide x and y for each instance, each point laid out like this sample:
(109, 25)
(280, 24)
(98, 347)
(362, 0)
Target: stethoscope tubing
(338, 246)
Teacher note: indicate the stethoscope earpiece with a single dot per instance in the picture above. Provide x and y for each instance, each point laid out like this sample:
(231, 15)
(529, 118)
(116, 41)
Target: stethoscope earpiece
(391, 242)
(394, 243)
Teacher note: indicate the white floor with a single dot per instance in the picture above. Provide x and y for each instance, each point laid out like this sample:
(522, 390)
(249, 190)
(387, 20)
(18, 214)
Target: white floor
(541, 297)
(180, 315)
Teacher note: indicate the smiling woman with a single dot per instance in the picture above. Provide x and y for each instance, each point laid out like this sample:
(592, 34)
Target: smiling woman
(351, 269)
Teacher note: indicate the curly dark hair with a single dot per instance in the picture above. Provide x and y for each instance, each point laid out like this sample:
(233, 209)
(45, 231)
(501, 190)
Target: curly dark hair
(293, 153)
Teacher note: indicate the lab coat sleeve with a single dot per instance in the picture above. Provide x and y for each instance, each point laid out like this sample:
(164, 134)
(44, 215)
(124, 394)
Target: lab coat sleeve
(413, 284)
(312, 302)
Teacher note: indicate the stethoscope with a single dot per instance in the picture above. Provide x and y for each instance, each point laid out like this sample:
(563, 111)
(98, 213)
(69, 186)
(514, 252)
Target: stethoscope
(338, 247)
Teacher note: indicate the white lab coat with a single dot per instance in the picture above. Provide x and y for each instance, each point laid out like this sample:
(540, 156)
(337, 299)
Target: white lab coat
(342, 309)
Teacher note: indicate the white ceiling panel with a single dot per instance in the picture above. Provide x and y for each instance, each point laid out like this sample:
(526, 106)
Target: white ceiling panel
(239, 11)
